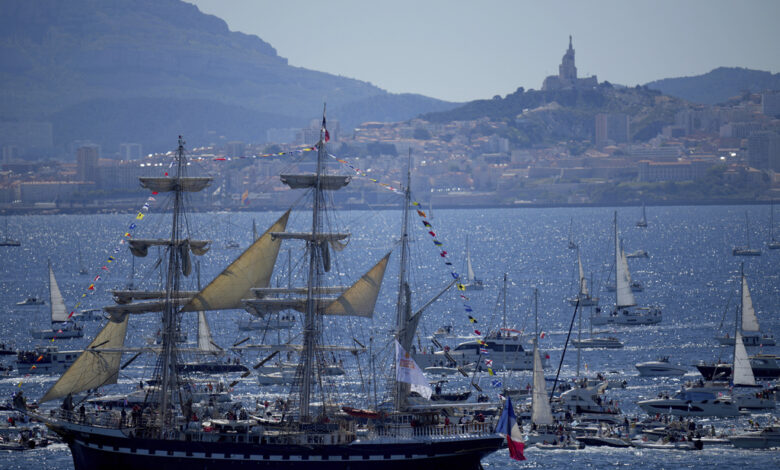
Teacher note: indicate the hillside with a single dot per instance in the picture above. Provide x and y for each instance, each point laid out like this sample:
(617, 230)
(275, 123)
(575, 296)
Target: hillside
(718, 85)
(98, 68)
(536, 117)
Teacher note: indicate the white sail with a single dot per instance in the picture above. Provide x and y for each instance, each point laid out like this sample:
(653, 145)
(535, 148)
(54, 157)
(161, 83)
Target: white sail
(252, 269)
(93, 368)
(743, 371)
(58, 311)
(469, 269)
(583, 281)
(359, 300)
(749, 319)
(205, 342)
(541, 412)
(625, 298)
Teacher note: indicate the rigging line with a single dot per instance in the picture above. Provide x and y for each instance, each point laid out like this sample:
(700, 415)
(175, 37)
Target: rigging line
(565, 345)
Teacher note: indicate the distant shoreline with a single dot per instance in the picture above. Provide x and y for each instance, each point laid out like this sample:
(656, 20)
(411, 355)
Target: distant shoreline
(31, 210)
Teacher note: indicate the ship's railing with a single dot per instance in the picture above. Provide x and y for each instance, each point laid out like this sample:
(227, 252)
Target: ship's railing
(436, 431)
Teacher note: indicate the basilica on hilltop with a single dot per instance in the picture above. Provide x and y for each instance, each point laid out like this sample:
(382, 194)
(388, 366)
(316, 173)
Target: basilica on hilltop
(567, 75)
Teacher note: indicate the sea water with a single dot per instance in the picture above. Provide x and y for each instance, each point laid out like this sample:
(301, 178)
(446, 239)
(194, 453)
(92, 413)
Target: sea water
(691, 274)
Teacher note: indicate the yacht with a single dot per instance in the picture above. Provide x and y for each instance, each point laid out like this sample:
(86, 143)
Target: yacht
(660, 368)
(765, 366)
(503, 348)
(749, 326)
(48, 360)
(691, 403)
(746, 250)
(763, 439)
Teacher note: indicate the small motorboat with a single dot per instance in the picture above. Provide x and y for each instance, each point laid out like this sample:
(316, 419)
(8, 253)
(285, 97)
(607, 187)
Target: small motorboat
(31, 301)
(659, 368)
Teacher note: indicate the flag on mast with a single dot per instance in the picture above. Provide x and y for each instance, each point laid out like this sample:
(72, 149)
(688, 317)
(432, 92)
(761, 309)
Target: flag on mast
(407, 371)
(507, 425)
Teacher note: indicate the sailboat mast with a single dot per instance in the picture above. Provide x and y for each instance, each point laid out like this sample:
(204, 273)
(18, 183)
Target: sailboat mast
(310, 326)
(170, 317)
(504, 302)
(738, 316)
(403, 308)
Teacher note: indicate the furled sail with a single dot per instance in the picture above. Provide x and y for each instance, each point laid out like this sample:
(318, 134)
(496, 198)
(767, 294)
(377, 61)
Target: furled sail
(625, 298)
(742, 371)
(360, 299)
(252, 269)
(205, 341)
(161, 184)
(749, 319)
(58, 311)
(140, 247)
(540, 405)
(327, 182)
(93, 368)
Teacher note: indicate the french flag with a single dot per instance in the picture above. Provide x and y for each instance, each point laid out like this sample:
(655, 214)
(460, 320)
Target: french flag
(507, 425)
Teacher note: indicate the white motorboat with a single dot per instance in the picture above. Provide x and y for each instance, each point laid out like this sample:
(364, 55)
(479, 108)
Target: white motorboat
(31, 301)
(763, 439)
(440, 370)
(638, 254)
(62, 326)
(446, 331)
(691, 403)
(48, 360)
(660, 368)
(661, 444)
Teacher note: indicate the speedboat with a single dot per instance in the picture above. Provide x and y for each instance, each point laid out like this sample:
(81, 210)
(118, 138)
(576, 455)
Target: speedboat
(758, 340)
(504, 349)
(763, 439)
(691, 403)
(624, 316)
(609, 342)
(638, 254)
(31, 301)
(659, 368)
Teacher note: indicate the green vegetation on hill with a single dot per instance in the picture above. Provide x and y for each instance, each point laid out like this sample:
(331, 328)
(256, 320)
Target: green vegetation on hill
(537, 117)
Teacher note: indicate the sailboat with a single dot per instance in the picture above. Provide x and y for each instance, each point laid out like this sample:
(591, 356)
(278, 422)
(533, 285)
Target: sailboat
(472, 283)
(8, 241)
(746, 250)
(750, 329)
(583, 294)
(541, 412)
(643, 221)
(82, 269)
(624, 297)
(312, 433)
(773, 244)
(572, 245)
(634, 285)
(59, 315)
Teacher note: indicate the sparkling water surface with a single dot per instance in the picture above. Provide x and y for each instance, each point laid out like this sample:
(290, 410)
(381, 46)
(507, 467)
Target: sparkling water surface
(690, 274)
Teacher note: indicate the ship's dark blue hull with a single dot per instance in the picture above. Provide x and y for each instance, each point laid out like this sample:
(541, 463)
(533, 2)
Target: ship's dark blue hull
(106, 452)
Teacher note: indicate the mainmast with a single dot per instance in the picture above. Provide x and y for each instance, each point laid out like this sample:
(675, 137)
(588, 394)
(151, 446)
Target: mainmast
(403, 304)
(310, 331)
(170, 319)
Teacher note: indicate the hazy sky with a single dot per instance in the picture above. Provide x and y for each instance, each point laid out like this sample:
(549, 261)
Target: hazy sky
(463, 50)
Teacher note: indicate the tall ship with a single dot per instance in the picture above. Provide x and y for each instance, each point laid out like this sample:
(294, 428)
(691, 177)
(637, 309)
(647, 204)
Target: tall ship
(315, 431)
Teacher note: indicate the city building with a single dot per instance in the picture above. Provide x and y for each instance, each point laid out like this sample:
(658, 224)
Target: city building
(130, 151)
(613, 128)
(764, 150)
(87, 163)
